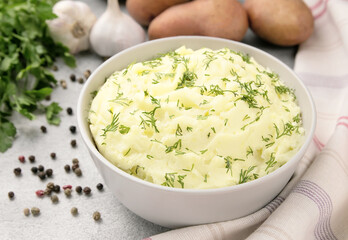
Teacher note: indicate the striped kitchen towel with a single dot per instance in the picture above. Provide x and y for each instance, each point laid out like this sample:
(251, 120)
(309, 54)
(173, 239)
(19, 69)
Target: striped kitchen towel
(314, 204)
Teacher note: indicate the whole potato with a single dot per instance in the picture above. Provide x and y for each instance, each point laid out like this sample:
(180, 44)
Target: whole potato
(281, 22)
(217, 18)
(143, 11)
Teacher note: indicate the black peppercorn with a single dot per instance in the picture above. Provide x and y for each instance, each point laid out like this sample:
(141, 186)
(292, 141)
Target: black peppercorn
(53, 155)
(31, 158)
(67, 168)
(74, 166)
(34, 170)
(11, 195)
(73, 77)
(75, 161)
(87, 190)
(56, 189)
(49, 172)
(72, 129)
(78, 189)
(41, 168)
(17, 171)
(43, 129)
(73, 143)
(78, 172)
(100, 186)
(69, 110)
(42, 175)
(80, 80)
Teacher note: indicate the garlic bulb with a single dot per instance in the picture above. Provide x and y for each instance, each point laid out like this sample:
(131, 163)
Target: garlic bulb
(115, 31)
(73, 25)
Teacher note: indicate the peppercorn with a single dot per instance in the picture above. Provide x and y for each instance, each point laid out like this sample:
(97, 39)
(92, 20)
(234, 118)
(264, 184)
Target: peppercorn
(47, 98)
(100, 186)
(63, 84)
(73, 143)
(53, 155)
(49, 172)
(17, 171)
(96, 216)
(87, 190)
(80, 80)
(67, 192)
(73, 77)
(69, 111)
(31, 158)
(74, 211)
(35, 211)
(78, 189)
(21, 159)
(50, 185)
(74, 166)
(11, 195)
(48, 191)
(87, 73)
(54, 198)
(78, 172)
(43, 129)
(26, 211)
(72, 129)
(75, 161)
(67, 186)
(40, 193)
(56, 189)
(34, 170)
(40, 168)
(42, 175)
(67, 168)
(55, 68)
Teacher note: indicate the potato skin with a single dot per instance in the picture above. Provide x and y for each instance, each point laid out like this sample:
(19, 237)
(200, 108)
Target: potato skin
(143, 11)
(281, 22)
(217, 18)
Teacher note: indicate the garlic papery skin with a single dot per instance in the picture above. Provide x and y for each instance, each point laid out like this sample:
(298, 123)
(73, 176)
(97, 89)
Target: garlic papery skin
(73, 25)
(115, 31)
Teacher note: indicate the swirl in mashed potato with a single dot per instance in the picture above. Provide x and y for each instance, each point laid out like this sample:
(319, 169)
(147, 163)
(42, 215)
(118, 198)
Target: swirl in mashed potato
(196, 119)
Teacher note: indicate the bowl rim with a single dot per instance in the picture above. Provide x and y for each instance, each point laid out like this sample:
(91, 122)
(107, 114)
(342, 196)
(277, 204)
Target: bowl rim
(91, 146)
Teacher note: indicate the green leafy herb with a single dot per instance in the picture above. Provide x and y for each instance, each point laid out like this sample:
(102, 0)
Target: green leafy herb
(178, 131)
(187, 80)
(203, 151)
(169, 179)
(271, 162)
(249, 152)
(176, 145)
(52, 112)
(121, 100)
(228, 164)
(189, 129)
(190, 170)
(244, 175)
(124, 129)
(112, 127)
(180, 180)
(127, 152)
(26, 52)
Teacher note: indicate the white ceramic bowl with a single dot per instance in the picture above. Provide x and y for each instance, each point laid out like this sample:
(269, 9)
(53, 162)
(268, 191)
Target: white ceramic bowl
(172, 207)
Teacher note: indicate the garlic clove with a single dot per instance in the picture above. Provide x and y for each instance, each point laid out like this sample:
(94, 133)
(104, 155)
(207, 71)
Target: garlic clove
(73, 25)
(115, 31)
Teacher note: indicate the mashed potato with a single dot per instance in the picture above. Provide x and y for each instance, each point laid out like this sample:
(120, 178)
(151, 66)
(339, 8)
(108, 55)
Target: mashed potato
(196, 119)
